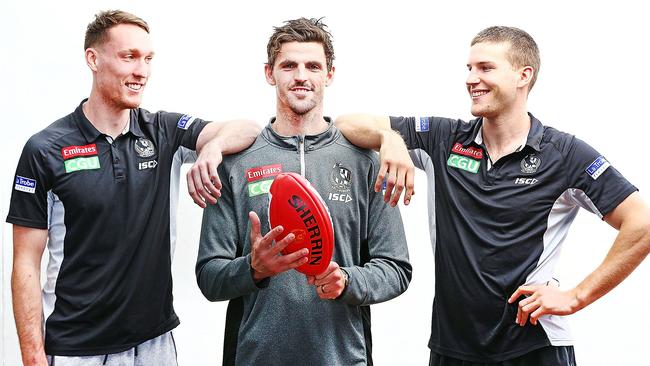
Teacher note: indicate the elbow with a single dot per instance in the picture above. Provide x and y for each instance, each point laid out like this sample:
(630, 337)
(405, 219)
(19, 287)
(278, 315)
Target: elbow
(639, 233)
(645, 241)
(250, 128)
(341, 122)
(403, 274)
(205, 281)
(406, 275)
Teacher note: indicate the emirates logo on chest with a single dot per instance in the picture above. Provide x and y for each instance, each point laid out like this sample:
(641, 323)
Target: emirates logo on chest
(472, 152)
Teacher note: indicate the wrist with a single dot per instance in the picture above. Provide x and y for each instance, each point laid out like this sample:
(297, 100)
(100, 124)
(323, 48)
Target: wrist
(36, 359)
(579, 300)
(346, 281)
(385, 135)
(257, 276)
(215, 145)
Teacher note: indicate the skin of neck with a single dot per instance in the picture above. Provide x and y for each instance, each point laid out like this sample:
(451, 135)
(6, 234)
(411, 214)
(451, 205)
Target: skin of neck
(107, 118)
(504, 132)
(289, 123)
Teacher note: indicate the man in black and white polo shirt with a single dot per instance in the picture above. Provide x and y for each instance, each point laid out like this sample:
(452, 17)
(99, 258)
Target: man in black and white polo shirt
(95, 185)
(506, 191)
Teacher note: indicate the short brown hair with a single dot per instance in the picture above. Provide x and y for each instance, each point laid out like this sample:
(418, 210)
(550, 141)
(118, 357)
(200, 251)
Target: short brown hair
(97, 30)
(301, 30)
(523, 49)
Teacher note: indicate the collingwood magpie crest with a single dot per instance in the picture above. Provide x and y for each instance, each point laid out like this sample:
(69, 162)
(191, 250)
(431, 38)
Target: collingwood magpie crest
(341, 178)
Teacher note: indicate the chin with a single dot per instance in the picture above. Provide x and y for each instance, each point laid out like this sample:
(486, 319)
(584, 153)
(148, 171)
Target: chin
(301, 109)
(131, 103)
(477, 112)
(482, 111)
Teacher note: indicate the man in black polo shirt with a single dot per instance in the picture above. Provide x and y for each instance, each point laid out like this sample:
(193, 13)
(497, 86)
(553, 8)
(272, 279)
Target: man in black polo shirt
(506, 191)
(95, 185)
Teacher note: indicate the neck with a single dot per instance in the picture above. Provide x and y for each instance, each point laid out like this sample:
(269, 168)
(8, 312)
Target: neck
(503, 135)
(288, 123)
(507, 129)
(106, 117)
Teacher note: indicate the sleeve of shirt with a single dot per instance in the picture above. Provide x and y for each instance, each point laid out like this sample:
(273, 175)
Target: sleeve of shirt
(182, 129)
(28, 206)
(598, 186)
(387, 272)
(418, 157)
(222, 272)
(422, 132)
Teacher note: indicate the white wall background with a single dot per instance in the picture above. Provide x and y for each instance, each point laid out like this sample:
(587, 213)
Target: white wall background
(398, 57)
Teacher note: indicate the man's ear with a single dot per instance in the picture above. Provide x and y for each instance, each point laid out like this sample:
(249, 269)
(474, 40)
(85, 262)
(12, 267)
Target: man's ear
(330, 77)
(91, 58)
(525, 76)
(268, 72)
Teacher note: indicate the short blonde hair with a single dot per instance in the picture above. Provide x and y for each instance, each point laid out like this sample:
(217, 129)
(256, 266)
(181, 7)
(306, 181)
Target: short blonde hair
(96, 33)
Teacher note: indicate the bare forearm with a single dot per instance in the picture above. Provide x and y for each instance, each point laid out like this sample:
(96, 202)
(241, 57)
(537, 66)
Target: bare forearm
(630, 248)
(364, 130)
(29, 244)
(28, 310)
(230, 136)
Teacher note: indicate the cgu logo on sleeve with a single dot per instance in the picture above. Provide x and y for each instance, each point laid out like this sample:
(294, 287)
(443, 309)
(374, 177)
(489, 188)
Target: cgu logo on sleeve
(77, 158)
(258, 184)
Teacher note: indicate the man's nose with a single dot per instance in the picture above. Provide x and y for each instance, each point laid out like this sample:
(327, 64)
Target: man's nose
(472, 78)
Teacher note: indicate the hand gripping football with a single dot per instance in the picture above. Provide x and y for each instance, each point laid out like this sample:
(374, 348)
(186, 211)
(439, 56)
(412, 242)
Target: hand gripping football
(295, 204)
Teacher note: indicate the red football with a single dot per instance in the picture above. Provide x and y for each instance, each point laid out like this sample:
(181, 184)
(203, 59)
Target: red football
(296, 205)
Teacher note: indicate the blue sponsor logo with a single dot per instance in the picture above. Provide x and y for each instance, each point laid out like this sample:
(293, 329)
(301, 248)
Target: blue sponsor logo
(185, 121)
(421, 124)
(25, 184)
(597, 168)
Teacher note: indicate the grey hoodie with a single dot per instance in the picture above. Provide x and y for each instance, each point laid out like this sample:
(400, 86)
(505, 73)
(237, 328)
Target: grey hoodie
(281, 320)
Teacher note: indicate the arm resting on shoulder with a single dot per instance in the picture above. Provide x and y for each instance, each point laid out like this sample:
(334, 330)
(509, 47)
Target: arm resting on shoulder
(374, 132)
(215, 140)
(364, 130)
(230, 136)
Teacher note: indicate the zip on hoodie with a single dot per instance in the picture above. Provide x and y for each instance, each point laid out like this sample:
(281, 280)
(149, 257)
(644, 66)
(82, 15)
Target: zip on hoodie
(301, 139)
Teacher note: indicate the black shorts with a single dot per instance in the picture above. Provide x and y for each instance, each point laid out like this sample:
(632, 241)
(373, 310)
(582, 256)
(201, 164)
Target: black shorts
(546, 356)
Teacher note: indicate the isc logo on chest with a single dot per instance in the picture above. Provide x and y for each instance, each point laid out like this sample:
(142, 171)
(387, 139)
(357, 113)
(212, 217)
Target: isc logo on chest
(147, 165)
(525, 181)
(341, 197)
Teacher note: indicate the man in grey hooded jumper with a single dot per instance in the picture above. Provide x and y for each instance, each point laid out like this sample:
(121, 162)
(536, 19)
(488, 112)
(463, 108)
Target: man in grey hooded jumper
(277, 316)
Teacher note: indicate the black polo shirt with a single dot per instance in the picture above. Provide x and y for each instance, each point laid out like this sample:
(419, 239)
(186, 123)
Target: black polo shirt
(501, 226)
(105, 204)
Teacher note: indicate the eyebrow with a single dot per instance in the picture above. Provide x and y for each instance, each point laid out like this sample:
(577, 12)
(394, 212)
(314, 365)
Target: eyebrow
(136, 51)
(286, 62)
(481, 63)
